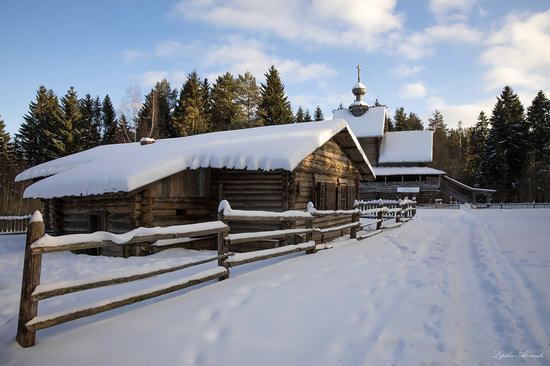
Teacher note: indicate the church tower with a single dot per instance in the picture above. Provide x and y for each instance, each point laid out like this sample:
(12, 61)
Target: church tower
(359, 106)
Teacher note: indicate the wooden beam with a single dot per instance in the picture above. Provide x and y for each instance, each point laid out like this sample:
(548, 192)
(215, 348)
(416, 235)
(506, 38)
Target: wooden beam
(102, 306)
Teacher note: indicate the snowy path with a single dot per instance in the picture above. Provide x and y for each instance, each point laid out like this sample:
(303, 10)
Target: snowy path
(447, 288)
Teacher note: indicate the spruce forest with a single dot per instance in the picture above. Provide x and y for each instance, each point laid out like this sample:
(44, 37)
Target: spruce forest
(507, 149)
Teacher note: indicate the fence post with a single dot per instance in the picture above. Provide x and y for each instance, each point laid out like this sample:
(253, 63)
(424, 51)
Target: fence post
(379, 216)
(28, 308)
(222, 246)
(353, 230)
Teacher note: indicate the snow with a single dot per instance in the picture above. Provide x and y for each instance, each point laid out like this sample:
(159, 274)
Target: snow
(407, 170)
(264, 234)
(406, 147)
(36, 217)
(48, 241)
(370, 124)
(125, 167)
(451, 287)
(228, 212)
(11, 218)
(359, 85)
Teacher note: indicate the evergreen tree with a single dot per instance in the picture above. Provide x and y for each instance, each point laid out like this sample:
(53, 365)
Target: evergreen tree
(41, 137)
(505, 152)
(108, 121)
(318, 114)
(538, 118)
(189, 115)
(274, 108)
(476, 148)
(123, 133)
(440, 148)
(307, 116)
(5, 143)
(226, 113)
(155, 115)
(400, 119)
(90, 109)
(72, 118)
(206, 102)
(248, 97)
(414, 122)
(389, 123)
(300, 116)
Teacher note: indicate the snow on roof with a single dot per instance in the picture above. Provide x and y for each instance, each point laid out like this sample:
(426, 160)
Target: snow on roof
(125, 167)
(370, 124)
(406, 147)
(407, 170)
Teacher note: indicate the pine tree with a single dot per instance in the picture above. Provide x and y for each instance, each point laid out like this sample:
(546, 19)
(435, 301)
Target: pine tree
(155, 115)
(206, 92)
(440, 148)
(41, 137)
(248, 97)
(505, 152)
(307, 116)
(318, 114)
(389, 123)
(123, 133)
(108, 121)
(414, 122)
(72, 118)
(226, 113)
(538, 118)
(400, 119)
(300, 116)
(5, 143)
(274, 108)
(476, 148)
(90, 135)
(189, 116)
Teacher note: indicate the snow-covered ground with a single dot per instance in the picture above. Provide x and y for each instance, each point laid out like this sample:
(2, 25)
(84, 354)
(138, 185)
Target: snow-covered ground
(450, 287)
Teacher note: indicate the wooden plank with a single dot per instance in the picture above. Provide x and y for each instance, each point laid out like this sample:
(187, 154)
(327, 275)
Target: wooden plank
(268, 255)
(274, 234)
(70, 288)
(135, 240)
(341, 227)
(102, 306)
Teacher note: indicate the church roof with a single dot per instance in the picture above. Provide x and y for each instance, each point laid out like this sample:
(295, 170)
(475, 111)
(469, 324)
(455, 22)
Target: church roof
(406, 147)
(370, 124)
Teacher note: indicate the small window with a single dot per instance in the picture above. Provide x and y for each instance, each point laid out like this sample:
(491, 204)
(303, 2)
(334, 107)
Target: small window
(96, 222)
(321, 196)
(180, 212)
(342, 197)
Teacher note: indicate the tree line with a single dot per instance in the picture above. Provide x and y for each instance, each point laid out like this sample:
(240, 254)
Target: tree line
(508, 151)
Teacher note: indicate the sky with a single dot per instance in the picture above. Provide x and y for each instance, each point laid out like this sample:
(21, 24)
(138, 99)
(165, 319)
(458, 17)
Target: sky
(451, 55)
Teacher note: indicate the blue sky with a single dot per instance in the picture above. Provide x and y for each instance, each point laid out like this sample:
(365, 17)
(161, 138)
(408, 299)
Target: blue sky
(454, 55)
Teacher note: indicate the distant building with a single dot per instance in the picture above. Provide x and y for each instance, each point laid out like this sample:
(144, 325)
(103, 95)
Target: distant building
(400, 159)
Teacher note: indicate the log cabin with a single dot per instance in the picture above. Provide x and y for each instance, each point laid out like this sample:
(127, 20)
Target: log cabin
(119, 187)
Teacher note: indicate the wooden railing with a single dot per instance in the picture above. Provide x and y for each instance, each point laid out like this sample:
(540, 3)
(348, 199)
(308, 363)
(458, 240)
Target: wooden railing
(14, 224)
(455, 206)
(384, 210)
(300, 228)
(39, 243)
(512, 205)
(292, 219)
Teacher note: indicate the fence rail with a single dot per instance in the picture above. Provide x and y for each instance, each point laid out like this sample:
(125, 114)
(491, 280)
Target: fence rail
(435, 206)
(512, 205)
(14, 224)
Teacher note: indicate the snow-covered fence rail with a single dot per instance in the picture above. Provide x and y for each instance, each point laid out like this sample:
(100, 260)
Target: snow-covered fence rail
(383, 210)
(436, 206)
(38, 243)
(290, 219)
(512, 205)
(14, 224)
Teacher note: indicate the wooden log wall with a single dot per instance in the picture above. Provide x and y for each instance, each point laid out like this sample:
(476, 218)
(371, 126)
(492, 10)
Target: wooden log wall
(371, 147)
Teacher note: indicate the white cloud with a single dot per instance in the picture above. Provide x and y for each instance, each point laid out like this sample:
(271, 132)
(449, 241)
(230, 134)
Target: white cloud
(404, 70)
(132, 55)
(421, 44)
(413, 91)
(450, 9)
(518, 54)
(172, 48)
(338, 22)
(465, 112)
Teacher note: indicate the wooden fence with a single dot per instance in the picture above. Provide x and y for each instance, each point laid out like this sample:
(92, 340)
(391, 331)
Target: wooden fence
(436, 206)
(512, 205)
(384, 210)
(14, 224)
(300, 235)
(38, 243)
